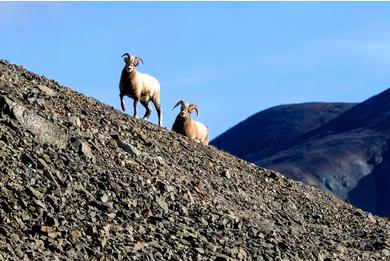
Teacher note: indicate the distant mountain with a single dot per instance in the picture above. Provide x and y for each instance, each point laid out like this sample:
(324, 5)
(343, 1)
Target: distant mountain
(271, 130)
(348, 156)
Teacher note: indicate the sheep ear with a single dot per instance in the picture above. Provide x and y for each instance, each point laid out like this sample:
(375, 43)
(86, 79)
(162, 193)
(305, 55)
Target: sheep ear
(193, 107)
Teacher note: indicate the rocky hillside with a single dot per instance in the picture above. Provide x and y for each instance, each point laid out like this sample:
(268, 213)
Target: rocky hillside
(80, 180)
(273, 129)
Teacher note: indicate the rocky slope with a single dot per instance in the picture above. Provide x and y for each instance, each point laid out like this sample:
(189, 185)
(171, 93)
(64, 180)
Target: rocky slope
(271, 130)
(80, 180)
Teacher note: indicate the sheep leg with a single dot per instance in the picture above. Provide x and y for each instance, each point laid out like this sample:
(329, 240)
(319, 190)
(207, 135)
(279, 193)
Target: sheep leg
(206, 140)
(148, 110)
(157, 105)
(123, 105)
(135, 115)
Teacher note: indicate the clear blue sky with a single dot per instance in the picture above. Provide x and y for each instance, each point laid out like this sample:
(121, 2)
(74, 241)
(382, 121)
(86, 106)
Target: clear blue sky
(233, 59)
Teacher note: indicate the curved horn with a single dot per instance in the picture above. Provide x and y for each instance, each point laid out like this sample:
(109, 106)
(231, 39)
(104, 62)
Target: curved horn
(126, 54)
(140, 59)
(194, 107)
(179, 102)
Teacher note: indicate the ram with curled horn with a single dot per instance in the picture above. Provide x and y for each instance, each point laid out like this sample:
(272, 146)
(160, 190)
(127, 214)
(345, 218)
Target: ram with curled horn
(141, 87)
(186, 126)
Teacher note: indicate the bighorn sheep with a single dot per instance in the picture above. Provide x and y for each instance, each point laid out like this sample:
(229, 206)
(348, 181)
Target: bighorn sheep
(187, 127)
(139, 86)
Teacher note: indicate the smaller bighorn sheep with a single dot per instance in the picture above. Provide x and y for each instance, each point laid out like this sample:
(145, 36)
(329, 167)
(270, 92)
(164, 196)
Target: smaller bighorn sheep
(139, 86)
(187, 127)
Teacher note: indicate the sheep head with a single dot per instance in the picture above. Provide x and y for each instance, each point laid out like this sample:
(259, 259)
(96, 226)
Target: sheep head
(186, 109)
(131, 62)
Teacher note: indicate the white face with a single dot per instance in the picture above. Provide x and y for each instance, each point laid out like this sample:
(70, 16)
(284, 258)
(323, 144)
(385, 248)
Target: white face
(130, 66)
(184, 111)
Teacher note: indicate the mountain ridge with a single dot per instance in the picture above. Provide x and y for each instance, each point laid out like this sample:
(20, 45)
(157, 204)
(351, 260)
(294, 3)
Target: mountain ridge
(357, 117)
(261, 134)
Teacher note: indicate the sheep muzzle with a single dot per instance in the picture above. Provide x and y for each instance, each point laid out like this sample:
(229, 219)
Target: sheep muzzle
(182, 114)
(129, 68)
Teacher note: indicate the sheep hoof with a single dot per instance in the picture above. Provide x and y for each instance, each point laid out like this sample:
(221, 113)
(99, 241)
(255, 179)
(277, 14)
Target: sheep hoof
(144, 119)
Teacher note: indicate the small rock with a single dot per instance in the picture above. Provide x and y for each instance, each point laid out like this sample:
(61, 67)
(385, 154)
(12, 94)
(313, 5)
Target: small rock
(188, 197)
(46, 229)
(28, 160)
(113, 144)
(371, 218)
(222, 257)
(226, 174)
(75, 235)
(320, 257)
(200, 250)
(35, 192)
(46, 90)
(74, 121)
(26, 216)
(104, 198)
(147, 213)
(32, 95)
(104, 242)
(53, 235)
(85, 135)
(162, 203)
(139, 246)
(86, 150)
(75, 143)
(241, 254)
(129, 149)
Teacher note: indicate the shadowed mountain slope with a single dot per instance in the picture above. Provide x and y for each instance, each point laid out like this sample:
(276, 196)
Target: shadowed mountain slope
(80, 180)
(347, 156)
(271, 130)
(341, 148)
